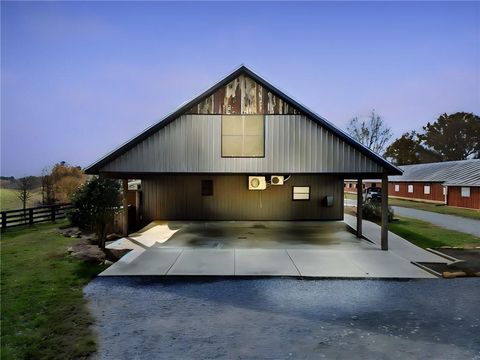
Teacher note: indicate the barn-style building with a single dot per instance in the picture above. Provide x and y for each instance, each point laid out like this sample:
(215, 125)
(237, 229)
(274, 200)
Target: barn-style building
(243, 150)
(454, 183)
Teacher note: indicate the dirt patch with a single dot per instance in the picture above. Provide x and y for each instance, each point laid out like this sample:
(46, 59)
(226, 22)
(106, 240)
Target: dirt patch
(469, 267)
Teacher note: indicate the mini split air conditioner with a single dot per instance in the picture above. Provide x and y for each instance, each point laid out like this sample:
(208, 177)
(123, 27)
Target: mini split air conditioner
(277, 180)
(257, 183)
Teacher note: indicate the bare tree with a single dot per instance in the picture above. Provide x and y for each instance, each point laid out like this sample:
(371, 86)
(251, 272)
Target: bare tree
(373, 133)
(24, 189)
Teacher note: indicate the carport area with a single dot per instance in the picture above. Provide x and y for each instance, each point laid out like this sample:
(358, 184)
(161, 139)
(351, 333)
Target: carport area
(327, 249)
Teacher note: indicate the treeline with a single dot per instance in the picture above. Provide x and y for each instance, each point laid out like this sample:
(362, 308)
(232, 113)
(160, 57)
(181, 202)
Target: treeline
(451, 137)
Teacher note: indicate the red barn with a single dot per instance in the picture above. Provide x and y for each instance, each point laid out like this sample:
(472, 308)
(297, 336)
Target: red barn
(454, 183)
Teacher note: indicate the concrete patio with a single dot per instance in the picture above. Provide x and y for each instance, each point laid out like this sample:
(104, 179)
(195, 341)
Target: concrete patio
(263, 248)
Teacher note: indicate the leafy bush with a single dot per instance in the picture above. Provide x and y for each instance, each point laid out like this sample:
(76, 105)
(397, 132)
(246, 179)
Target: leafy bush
(372, 210)
(94, 205)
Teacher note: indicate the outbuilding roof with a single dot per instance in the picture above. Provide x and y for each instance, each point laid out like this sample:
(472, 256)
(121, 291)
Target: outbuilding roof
(450, 173)
(387, 166)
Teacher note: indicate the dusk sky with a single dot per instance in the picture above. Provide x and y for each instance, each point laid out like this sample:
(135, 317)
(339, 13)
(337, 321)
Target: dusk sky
(79, 79)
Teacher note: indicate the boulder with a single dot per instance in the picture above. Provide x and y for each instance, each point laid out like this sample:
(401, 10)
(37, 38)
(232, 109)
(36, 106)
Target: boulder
(87, 253)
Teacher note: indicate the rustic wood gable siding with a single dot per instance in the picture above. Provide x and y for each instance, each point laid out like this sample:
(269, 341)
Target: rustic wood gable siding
(293, 144)
(243, 95)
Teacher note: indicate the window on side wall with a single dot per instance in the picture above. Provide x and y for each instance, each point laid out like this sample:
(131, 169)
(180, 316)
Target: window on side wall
(243, 136)
(397, 188)
(410, 188)
(207, 187)
(301, 193)
(426, 189)
(465, 191)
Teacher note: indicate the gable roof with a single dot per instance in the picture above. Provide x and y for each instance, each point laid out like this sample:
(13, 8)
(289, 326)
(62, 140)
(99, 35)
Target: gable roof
(186, 106)
(451, 173)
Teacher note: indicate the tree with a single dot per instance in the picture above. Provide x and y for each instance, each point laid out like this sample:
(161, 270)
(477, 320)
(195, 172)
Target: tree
(453, 137)
(59, 183)
(95, 204)
(373, 133)
(24, 189)
(408, 149)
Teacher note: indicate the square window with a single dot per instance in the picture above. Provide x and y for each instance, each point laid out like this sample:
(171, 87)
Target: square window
(207, 187)
(426, 189)
(397, 187)
(243, 136)
(410, 188)
(465, 191)
(301, 193)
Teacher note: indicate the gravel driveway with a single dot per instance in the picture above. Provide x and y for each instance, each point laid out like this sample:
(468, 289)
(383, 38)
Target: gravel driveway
(141, 318)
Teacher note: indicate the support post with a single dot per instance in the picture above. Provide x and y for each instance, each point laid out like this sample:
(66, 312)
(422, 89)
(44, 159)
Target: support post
(384, 231)
(359, 206)
(125, 207)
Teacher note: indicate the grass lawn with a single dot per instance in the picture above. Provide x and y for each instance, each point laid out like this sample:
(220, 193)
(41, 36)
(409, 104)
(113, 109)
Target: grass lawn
(426, 235)
(43, 311)
(10, 201)
(437, 208)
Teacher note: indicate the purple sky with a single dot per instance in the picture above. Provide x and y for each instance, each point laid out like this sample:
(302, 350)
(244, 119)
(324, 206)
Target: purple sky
(79, 79)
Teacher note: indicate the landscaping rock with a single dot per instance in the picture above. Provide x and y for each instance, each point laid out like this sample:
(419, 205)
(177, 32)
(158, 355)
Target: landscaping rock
(70, 231)
(87, 253)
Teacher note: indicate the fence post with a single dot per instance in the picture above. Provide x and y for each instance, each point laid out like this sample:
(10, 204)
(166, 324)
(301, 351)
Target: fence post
(30, 217)
(52, 211)
(4, 220)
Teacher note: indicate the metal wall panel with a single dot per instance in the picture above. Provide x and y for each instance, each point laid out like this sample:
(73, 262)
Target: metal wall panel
(178, 197)
(293, 144)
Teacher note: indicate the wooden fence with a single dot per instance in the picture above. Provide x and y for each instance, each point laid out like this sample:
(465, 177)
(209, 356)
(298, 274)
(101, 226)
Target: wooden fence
(34, 215)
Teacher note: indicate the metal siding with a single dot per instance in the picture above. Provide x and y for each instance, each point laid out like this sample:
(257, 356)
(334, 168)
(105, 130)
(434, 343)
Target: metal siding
(192, 144)
(178, 197)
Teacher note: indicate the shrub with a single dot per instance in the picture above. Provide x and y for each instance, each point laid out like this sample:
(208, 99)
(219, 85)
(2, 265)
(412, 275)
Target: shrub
(94, 205)
(372, 210)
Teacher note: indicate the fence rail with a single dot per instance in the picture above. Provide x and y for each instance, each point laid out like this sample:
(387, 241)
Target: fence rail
(30, 216)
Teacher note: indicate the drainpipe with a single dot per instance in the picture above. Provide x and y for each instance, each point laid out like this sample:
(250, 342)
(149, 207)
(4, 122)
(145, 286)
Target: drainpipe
(446, 195)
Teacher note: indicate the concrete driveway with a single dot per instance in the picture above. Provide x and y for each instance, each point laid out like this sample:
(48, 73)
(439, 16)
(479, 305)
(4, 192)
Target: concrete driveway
(262, 248)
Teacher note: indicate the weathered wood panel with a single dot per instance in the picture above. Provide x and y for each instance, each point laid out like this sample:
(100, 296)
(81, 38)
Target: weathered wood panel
(178, 197)
(243, 95)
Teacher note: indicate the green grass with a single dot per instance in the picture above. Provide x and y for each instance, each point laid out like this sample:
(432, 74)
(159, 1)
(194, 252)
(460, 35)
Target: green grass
(10, 201)
(426, 235)
(43, 311)
(437, 208)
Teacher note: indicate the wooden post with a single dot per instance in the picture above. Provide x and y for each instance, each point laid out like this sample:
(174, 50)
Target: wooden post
(4, 220)
(125, 207)
(30, 217)
(52, 213)
(359, 206)
(384, 231)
